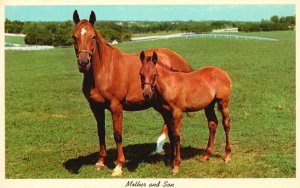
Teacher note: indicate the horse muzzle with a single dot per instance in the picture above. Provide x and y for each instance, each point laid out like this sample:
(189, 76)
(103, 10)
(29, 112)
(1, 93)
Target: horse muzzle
(84, 60)
(84, 65)
(148, 95)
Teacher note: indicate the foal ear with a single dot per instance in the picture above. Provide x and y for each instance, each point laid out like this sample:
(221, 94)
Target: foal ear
(92, 18)
(142, 56)
(76, 18)
(154, 57)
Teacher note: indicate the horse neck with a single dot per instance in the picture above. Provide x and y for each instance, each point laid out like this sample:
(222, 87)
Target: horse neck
(163, 77)
(104, 55)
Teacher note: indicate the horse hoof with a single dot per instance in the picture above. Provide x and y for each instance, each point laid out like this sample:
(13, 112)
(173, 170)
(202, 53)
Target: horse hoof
(117, 171)
(162, 152)
(227, 160)
(99, 165)
(175, 170)
(204, 158)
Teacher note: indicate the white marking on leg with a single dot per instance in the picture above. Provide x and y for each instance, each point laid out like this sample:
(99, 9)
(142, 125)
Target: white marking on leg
(160, 143)
(117, 171)
(83, 31)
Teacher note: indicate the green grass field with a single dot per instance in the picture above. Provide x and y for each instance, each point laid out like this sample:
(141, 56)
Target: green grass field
(14, 39)
(49, 123)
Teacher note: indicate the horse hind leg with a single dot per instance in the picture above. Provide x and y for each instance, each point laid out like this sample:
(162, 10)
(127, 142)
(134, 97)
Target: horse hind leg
(223, 106)
(161, 140)
(212, 126)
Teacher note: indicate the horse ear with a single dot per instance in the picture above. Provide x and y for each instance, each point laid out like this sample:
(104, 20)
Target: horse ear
(142, 56)
(154, 57)
(92, 18)
(76, 18)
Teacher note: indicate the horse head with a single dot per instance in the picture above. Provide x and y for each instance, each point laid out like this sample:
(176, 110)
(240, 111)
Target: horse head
(85, 40)
(148, 74)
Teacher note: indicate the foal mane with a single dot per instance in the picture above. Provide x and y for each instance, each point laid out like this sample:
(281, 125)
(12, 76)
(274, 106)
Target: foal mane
(172, 69)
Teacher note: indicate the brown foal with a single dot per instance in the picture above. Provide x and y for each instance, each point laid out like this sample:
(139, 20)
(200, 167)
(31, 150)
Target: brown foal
(187, 92)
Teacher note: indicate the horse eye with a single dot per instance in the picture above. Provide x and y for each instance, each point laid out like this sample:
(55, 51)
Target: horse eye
(94, 36)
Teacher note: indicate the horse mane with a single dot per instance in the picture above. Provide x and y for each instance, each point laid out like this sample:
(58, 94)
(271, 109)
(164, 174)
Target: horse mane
(103, 41)
(99, 36)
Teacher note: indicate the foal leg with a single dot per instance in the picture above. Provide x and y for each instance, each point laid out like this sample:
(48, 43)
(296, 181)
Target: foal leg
(223, 106)
(117, 114)
(99, 113)
(212, 126)
(177, 119)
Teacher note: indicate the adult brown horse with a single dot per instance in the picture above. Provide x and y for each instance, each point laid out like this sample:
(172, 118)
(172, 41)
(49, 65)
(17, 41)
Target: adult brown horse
(111, 80)
(187, 92)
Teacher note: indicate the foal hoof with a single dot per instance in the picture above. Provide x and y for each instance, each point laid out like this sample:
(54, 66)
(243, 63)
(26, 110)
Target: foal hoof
(175, 170)
(162, 152)
(117, 171)
(99, 165)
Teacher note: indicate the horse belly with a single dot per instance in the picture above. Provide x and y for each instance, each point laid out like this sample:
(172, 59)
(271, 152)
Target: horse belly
(134, 105)
(198, 100)
(196, 106)
(134, 102)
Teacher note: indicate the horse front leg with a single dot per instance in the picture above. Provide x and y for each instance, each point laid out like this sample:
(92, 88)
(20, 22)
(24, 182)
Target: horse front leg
(117, 114)
(99, 113)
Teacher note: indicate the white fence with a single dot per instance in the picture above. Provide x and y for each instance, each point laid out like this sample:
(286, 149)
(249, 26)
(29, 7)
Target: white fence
(206, 35)
(11, 46)
(228, 36)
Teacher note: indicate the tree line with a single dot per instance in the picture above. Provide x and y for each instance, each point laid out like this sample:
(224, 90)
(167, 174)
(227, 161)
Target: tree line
(59, 33)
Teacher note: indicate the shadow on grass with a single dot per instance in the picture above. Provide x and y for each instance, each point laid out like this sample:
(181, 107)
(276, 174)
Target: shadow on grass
(134, 154)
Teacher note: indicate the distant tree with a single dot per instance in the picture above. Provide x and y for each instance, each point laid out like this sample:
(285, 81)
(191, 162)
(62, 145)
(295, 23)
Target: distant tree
(201, 28)
(274, 19)
(218, 24)
(184, 27)
(110, 31)
(34, 33)
(291, 20)
(48, 33)
(8, 26)
(282, 19)
(13, 26)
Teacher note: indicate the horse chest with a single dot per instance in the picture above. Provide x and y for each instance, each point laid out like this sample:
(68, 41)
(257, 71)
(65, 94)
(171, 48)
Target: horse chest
(95, 96)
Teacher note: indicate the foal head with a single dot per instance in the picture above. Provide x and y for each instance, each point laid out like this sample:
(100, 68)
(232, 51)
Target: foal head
(85, 39)
(148, 74)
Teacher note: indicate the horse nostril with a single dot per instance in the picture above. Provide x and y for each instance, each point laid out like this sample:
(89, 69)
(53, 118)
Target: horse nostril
(147, 95)
(83, 62)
